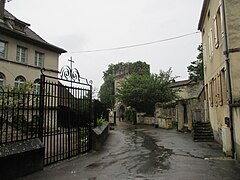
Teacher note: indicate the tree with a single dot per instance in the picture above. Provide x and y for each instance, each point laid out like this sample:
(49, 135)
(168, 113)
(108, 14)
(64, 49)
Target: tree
(106, 92)
(195, 70)
(142, 92)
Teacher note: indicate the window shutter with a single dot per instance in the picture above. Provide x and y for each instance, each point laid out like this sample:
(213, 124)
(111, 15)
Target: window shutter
(216, 40)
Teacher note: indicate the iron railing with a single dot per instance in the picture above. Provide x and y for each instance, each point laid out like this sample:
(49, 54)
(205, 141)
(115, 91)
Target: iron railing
(19, 116)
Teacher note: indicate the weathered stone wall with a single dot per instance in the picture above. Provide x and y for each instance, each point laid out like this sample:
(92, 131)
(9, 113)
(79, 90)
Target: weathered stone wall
(99, 136)
(141, 119)
(165, 115)
(165, 123)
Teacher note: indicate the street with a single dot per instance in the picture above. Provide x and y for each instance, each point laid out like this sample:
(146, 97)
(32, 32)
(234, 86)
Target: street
(145, 152)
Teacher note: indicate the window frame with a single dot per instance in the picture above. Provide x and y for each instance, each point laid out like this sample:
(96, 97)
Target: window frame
(2, 80)
(4, 56)
(210, 43)
(39, 59)
(18, 83)
(217, 21)
(36, 86)
(19, 54)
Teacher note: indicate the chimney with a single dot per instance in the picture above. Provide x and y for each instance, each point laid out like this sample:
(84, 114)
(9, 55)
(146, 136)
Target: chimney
(2, 7)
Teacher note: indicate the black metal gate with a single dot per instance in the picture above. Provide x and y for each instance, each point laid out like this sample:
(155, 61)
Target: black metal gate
(65, 114)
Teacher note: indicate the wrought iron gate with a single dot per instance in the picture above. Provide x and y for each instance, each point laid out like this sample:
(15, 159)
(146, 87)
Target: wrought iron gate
(65, 114)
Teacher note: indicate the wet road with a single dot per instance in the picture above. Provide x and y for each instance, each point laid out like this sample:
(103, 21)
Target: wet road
(145, 152)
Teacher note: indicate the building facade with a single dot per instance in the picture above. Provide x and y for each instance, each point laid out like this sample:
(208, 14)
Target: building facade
(186, 109)
(220, 27)
(23, 53)
(189, 104)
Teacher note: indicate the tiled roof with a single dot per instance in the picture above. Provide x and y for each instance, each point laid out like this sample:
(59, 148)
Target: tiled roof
(27, 35)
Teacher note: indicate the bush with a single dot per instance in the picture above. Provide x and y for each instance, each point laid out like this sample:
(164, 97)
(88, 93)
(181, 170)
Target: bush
(100, 121)
(129, 115)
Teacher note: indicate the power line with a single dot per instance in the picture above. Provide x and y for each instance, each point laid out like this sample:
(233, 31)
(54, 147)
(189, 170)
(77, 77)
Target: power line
(136, 45)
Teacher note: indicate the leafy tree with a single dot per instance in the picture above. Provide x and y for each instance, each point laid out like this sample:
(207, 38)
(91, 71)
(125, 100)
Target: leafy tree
(106, 92)
(195, 70)
(142, 92)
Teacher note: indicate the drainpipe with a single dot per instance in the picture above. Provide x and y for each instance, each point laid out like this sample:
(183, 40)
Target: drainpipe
(228, 74)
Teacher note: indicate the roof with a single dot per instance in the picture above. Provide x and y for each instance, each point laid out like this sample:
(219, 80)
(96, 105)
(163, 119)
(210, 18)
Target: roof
(27, 36)
(181, 83)
(188, 89)
(203, 14)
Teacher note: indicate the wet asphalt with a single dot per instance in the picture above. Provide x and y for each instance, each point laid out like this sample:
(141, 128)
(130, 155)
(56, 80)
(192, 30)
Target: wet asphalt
(146, 153)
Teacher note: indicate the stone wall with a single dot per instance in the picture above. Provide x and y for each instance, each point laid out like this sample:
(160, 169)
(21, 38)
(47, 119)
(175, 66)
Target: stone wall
(165, 123)
(165, 114)
(21, 158)
(99, 136)
(147, 120)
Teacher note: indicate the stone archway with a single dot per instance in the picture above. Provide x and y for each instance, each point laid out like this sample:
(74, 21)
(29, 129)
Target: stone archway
(120, 110)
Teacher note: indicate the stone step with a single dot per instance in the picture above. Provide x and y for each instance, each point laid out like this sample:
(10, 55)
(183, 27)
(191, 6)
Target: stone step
(204, 140)
(202, 132)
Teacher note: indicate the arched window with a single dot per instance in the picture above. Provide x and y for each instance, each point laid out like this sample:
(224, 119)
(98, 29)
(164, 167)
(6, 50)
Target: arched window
(19, 81)
(2, 81)
(36, 86)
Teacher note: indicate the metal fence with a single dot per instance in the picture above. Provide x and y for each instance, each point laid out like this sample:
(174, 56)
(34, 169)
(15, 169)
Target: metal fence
(19, 116)
(66, 116)
(61, 115)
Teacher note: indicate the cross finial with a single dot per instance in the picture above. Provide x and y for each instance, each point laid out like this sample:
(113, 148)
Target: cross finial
(71, 61)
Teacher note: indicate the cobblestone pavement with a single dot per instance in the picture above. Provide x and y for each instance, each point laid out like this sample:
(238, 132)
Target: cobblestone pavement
(145, 152)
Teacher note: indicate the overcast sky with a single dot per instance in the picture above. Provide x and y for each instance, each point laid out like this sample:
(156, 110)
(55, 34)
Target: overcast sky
(82, 25)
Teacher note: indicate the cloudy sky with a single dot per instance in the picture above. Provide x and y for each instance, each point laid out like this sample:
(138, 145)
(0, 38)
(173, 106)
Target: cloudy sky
(85, 25)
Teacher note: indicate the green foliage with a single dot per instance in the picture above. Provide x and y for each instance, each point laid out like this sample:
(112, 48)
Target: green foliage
(83, 135)
(100, 121)
(195, 70)
(137, 67)
(14, 96)
(106, 92)
(129, 114)
(142, 92)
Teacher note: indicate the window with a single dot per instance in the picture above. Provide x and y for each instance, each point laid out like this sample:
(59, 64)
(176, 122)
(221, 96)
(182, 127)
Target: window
(217, 28)
(19, 81)
(219, 78)
(38, 59)
(224, 87)
(21, 54)
(206, 93)
(204, 56)
(3, 49)
(210, 43)
(216, 90)
(36, 86)
(2, 81)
